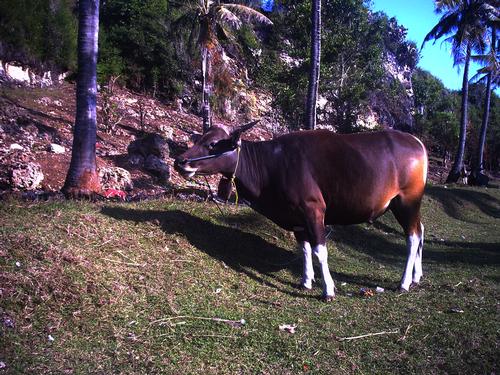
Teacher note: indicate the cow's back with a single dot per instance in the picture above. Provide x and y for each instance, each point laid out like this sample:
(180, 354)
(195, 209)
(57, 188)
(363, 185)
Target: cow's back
(356, 174)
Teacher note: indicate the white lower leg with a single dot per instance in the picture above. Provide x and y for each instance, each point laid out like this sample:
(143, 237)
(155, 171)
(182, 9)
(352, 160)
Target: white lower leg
(412, 244)
(307, 270)
(417, 270)
(328, 285)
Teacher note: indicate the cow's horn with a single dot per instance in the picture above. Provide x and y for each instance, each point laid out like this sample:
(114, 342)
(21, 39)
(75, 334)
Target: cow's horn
(245, 127)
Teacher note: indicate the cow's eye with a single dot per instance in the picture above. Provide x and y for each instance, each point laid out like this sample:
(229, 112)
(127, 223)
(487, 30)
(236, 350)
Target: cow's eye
(211, 146)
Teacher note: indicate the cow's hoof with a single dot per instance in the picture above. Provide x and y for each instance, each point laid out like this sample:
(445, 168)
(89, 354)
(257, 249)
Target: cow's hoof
(328, 298)
(306, 286)
(403, 290)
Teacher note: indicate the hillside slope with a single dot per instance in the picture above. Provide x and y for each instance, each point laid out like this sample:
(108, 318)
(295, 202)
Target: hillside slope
(31, 119)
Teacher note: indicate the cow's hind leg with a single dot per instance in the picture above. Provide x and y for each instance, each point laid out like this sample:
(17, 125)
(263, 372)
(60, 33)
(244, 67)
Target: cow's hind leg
(328, 286)
(417, 270)
(407, 214)
(315, 216)
(307, 265)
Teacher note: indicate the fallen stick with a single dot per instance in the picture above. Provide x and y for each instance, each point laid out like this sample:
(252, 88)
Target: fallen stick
(406, 332)
(125, 263)
(369, 335)
(125, 256)
(218, 336)
(234, 323)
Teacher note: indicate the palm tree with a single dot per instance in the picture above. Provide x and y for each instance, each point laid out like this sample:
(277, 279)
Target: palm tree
(312, 91)
(463, 23)
(209, 17)
(82, 178)
(491, 73)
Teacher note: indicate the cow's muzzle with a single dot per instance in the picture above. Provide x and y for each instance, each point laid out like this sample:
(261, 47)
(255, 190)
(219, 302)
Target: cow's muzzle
(182, 166)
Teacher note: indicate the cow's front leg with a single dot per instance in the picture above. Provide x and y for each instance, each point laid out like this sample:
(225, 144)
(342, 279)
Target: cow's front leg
(307, 270)
(307, 264)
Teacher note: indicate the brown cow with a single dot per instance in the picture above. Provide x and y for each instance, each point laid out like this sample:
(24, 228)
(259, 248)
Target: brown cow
(305, 180)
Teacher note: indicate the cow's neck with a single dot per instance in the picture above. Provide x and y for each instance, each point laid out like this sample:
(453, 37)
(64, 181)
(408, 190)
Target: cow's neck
(251, 174)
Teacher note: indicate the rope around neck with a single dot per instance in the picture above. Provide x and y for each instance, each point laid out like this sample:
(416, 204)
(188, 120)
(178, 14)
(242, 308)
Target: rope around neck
(233, 184)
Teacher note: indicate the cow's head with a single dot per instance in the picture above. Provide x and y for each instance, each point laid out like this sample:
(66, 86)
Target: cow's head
(214, 152)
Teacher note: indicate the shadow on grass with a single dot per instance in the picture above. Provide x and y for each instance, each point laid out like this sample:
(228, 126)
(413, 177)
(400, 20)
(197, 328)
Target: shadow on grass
(260, 260)
(453, 200)
(243, 252)
(392, 251)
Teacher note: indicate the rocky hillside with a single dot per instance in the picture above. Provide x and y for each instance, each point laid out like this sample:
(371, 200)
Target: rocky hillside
(393, 111)
(135, 151)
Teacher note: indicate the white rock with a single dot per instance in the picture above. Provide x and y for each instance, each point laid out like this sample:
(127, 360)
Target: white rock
(16, 146)
(26, 176)
(57, 149)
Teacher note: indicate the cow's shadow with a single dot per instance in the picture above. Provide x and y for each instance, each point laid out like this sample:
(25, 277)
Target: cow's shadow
(255, 257)
(241, 251)
(386, 245)
(453, 200)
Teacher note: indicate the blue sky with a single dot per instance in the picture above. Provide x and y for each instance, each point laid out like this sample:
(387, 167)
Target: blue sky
(419, 18)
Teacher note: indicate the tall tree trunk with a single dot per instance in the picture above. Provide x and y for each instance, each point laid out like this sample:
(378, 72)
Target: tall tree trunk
(205, 96)
(312, 91)
(478, 178)
(458, 163)
(82, 178)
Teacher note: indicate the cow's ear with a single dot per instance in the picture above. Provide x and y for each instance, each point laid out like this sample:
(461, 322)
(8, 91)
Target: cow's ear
(238, 131)
(195, 137)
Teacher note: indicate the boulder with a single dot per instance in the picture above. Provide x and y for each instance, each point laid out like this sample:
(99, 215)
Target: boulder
(157, 167)
(136, 160)
(149, 152)
(26, 176)
(115, 178)
(149, 144)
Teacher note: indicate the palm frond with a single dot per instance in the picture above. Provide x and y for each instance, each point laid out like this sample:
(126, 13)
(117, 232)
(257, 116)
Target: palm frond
(443, 6)
(482, 75)
(227, 18)
(247, 13)
(205, 5)
(479, 77)
(446, 25)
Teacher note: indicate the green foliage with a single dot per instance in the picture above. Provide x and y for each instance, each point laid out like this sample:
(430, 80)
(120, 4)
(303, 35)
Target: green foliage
(394, 36)
(135, 42)
(353, 53)
(430, 93)
(477, 94)
(438, 112)
(354, 42)
(38, 33)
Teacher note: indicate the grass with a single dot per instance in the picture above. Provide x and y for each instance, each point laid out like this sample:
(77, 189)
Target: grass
(123, 288)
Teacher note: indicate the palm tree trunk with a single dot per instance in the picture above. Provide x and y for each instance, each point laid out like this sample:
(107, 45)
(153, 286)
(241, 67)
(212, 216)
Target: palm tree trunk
(82, 178)
(458, 163)
(312, 91)
(205, 96)
(478, 178)
(477, 173)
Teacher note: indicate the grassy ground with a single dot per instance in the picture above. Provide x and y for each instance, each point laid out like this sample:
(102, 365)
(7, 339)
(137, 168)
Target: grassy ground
(133, 289)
